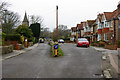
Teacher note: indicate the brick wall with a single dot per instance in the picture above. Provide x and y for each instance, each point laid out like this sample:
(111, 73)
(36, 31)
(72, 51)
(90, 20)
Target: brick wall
(109, 35)
(117, 30)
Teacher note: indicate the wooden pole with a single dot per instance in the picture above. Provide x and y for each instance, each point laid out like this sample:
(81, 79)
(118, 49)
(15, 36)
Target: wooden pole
(56, 22)
(57, 18)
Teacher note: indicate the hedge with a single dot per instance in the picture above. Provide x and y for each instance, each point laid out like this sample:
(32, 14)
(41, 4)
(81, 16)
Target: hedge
(13, 37)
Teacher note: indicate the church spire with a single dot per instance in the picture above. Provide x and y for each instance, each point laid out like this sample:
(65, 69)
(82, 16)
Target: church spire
(25, 20)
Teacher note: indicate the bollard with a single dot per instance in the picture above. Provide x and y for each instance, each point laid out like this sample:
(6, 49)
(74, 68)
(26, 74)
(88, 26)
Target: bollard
(12, 47)
(17, 46)
(26, 43)
(56, 49)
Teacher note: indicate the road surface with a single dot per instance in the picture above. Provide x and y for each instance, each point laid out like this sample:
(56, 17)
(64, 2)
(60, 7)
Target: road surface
(77, 62)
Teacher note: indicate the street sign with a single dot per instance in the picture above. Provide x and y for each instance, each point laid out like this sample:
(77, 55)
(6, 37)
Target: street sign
(56, 47)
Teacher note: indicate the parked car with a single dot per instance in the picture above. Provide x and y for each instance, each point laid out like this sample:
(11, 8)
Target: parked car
(41, 40)
(60, 41)
(82, 42)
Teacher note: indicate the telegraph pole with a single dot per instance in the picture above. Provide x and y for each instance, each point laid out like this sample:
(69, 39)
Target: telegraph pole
(57, 18)
(56, 22)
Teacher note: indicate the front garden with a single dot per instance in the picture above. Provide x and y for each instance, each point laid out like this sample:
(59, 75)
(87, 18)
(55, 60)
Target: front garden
(106, 44)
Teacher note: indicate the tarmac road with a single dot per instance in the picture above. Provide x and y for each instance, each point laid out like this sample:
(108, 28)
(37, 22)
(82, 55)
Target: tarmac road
(77, 62)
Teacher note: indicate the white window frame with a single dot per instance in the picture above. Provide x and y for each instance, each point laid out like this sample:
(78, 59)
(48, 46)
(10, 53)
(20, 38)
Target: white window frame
(107, 24)
(111, 23)
(105, 36)
(99, 37)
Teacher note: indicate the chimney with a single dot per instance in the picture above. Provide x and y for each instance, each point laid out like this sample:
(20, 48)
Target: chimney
(118, 5)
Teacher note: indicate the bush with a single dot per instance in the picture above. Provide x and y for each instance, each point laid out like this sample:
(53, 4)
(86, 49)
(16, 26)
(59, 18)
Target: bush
(3, 35)
(34, 40)
(24, 30)
(118, 43)
(96, 41)
(13, 37)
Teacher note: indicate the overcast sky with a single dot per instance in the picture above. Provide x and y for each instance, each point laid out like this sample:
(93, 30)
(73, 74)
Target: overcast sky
(71, 12)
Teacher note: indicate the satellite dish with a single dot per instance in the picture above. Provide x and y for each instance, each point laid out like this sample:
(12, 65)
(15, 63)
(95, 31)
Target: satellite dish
(119, 17)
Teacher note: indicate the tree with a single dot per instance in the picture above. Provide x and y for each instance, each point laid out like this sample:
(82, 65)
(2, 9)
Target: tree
(25, 31)
(3, 6)
(55, 35)
(45, 32)
(36, 19)
(63, 32)
(36, 30)
(10, 20)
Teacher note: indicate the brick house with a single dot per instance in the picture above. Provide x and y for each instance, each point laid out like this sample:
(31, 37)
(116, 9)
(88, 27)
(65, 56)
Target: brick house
(116, 23)
(100, 24)
(80, 30)
(84, 29)
(110, 29)
(90, 29)
(73, 34)
(95, 32)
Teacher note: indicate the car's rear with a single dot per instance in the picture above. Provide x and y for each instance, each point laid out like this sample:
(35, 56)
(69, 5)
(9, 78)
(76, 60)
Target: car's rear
(61, 41)
(83, 42)
(41, 40)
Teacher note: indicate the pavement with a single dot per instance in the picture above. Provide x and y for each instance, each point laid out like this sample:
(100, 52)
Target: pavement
(110, 61)
(77, 62)
(18, 52)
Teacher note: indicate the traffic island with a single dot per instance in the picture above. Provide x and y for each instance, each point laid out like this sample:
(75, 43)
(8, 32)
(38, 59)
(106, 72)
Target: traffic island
(56, 50)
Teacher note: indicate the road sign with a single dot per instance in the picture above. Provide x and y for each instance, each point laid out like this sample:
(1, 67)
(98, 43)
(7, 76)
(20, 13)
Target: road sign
(56, 47)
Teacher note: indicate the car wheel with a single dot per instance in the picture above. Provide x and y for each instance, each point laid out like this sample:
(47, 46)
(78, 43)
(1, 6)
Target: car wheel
(77, 45)
(87, 46)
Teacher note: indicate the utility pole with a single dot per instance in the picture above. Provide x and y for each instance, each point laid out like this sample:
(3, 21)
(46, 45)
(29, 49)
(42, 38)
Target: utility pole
(57, 18)
(56, 22)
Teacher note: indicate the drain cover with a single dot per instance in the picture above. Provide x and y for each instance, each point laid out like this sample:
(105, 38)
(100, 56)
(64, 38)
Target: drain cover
(98, 75)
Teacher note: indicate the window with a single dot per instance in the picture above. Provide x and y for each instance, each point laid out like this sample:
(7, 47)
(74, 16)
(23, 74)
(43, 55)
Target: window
(82, 39)
(83, 24)
(107, 23)
(111, 23)
(99, 37)
(105, 36)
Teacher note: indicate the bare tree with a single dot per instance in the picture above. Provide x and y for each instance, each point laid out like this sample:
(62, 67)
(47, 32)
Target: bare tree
(36, 19)
(63, 31)
(10, 20)
(3, 6)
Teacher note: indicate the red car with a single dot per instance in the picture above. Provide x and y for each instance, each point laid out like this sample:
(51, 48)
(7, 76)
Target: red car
(82, 42)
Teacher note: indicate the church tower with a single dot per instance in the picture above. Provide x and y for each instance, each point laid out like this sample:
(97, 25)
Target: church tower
(25, 20)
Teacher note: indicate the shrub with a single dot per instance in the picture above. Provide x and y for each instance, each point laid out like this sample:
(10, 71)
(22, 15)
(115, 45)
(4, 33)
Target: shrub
(13, 37)
(3, 35)
(24, 30)
(102, 43)
(96, 41)
(118, 43)
(34, 40)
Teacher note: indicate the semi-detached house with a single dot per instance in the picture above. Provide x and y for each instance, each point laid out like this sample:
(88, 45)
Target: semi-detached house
(73, 34)
(107, 26)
